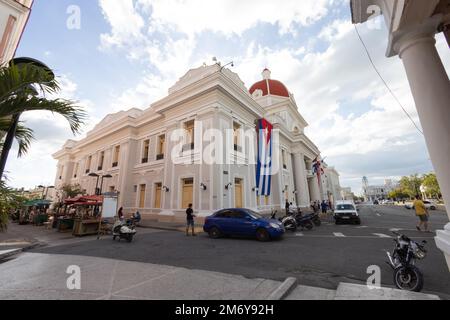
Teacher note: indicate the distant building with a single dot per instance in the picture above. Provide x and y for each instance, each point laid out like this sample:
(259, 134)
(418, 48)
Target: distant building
(347, 194)
(13, 19)
(378, 192)
(333, 186)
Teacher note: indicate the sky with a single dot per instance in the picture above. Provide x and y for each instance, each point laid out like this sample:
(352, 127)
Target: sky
(112, 55)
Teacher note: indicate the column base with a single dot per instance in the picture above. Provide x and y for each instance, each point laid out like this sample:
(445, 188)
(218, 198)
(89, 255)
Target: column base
(443, 242)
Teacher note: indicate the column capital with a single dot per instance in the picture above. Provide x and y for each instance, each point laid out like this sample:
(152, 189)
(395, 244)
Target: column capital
(403, 39)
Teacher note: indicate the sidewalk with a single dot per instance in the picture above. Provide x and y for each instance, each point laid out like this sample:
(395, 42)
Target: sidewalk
(169, 226)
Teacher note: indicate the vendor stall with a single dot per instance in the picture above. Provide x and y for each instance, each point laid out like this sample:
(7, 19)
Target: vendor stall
(87, 215)
(35, 212)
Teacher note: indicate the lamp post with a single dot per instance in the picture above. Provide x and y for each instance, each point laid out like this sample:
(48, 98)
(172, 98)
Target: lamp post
(96, 184)
(108, 176)
(15, 118)
(45, 191)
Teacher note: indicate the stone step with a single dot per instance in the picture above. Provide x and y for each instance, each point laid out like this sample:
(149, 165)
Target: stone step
(349, 291)
(311, 293)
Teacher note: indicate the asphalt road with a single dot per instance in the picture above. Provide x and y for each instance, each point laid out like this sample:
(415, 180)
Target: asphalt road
(323, 257)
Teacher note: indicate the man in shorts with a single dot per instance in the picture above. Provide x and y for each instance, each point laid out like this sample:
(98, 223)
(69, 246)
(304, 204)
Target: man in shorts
(422, 213)
(190, 220)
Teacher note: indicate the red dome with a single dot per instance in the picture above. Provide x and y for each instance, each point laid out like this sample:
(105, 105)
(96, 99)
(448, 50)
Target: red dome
(269, 86)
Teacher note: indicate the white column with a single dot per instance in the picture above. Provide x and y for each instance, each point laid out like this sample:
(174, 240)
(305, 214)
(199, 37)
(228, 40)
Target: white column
(430, 87)
(301, 181)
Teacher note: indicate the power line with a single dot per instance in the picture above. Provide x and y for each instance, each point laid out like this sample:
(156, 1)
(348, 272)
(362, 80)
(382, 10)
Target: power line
(384, 81)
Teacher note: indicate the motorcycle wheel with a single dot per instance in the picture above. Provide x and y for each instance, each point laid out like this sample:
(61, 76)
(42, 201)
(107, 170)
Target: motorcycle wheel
(309, 226)
(408, 279)
(290, 226)
(129, 237)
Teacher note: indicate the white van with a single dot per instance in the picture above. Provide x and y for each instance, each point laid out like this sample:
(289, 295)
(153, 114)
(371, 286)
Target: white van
(346, 211)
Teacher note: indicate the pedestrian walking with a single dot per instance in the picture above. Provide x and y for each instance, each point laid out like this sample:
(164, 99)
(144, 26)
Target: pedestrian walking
(120, 214)
(421, 213)
(190, 220)
(288, 205)
(324, 207)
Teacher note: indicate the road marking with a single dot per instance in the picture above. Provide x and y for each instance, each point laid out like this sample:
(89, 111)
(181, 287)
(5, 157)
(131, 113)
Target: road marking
(362, 227)
(339, 235)
(381, 235)
(299, 234)
(395, 230)
(378, 214)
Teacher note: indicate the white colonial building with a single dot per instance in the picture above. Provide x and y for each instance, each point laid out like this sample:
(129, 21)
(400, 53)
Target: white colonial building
(13, 18)
(156, 157)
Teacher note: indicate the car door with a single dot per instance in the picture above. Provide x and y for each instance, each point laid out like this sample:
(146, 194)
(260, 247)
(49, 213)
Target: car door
(225, 222)
(243, 223)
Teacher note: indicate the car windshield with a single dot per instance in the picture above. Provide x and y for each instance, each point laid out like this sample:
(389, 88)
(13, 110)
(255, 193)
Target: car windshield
(345, 207)
(254, 215)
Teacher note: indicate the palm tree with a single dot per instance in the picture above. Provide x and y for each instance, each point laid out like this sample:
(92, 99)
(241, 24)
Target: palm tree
(23, 88)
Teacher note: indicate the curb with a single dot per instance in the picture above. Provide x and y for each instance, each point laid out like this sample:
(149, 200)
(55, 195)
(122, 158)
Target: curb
(283, 290)
(14, 252)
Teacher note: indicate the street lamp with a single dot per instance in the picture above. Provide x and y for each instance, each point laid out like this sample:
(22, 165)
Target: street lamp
(107, 176)
(96, 184)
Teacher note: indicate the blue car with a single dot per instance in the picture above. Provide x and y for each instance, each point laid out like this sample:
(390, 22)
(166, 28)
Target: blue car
(242, 222)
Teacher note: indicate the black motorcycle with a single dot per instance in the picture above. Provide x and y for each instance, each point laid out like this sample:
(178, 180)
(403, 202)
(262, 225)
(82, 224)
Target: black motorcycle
(314, 217)
(406, 275)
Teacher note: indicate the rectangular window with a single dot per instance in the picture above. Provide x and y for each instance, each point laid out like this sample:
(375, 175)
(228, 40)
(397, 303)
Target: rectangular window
(283, 155)
(237, 137)
(7, 36)
(88, 164)
(116, 156)
(161, 147)
(75, 170)
(189, 127)
(145, 150)
(101, 160)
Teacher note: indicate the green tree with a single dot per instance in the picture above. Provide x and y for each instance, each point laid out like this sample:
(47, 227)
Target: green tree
(9, 200)
(398, 194)
(23, 89)
(411, 185)
(431, 184)
(71, 191)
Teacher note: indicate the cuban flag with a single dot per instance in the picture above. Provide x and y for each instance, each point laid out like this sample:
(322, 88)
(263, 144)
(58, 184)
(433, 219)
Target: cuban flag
(318, 170)
(264, 166)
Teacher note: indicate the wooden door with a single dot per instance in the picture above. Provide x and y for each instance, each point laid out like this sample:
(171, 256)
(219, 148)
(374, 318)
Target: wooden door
(238, 201)
(187, 193)
(158, 193)
(142, 196)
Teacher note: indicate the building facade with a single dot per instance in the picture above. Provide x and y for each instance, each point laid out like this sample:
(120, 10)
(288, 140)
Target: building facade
(159, 158)
(13, 19)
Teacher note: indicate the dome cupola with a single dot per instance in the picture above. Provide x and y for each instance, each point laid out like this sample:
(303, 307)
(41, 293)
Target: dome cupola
(267, 86)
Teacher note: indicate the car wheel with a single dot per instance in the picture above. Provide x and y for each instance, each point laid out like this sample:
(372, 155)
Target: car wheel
(262, 235)
(214, 233)
(358, 222)
(338, 222)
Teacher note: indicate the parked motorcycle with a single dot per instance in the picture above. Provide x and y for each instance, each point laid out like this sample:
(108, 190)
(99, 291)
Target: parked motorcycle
(406, 275)
(314, 217)
(304, 222)
(122, 230)
(288, 222)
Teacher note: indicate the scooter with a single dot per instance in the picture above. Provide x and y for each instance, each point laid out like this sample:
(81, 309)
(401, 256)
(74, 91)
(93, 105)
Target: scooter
(122, 230)
(288, 222)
